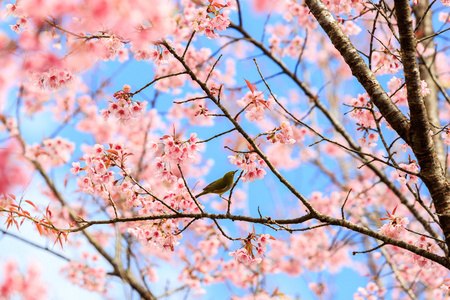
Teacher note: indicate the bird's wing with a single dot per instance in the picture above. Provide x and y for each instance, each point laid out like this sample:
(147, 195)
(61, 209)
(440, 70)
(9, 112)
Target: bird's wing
(215, 185)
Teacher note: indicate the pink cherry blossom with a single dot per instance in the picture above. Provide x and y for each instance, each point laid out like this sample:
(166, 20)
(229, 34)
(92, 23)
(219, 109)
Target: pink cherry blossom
(395, 227)
(27, 285)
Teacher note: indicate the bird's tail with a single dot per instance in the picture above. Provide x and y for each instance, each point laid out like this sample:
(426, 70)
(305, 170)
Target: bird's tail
(201, 194)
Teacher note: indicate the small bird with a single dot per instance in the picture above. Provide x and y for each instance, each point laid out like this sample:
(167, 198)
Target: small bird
(220, 186)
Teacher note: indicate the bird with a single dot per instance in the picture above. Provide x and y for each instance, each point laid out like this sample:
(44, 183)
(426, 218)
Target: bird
(220, 186)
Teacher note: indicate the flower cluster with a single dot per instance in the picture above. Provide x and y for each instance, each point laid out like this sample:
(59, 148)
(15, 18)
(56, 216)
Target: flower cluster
(113, 47)
(163, 234)
(424, 90)
(256, 113)
(9, 124)
(404, 177)
(246, 256)
(92, 279)
(28, 285)
(251, 164)
(419, 260)
(10, 172)
(53, 79)
(99, 178)
(160, 236)
(362, 112)
(445, 2)
(395, 226)
(208, 19)
(349, 27)
(446, 136)
(320, 289)
(284, 136)
(279, 33)
(301, 12)
(107, 48)
(256, 105)
(384, 62)
(345, 6)
(446, 286)
(159, 55)
(100, 181)
(22, 18)
(370, 292)
(124, 109)
(399, 93)
(202, 111)
(197, 113)
(52, 152)
(176, 152)
(370, 141)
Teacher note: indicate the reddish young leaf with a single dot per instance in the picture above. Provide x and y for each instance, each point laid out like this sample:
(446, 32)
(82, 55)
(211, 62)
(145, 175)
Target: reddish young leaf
(31, 203)
(48, 212)
(393, 212)
(250, 86)
(39, 228)
(16, 223)
(8, 222)
(112, 152)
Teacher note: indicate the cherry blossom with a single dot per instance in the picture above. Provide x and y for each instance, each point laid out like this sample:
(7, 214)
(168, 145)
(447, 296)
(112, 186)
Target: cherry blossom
(395, 227)
(92, 279)
(28, 285)
(408, 178)
(429, 246)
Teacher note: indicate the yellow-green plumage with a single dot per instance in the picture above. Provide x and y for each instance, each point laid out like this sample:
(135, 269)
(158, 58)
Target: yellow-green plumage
(220, 186)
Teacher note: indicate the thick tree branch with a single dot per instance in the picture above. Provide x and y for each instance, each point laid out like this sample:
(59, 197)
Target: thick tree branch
(360, 70)
(424, 14)
(421, 141)
(365, 76)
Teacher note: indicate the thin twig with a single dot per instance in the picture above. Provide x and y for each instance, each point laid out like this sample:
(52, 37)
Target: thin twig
(188, 189)
(155, 80)
(35, 245)
(216, 136)
(342, 207)
(188, 43)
